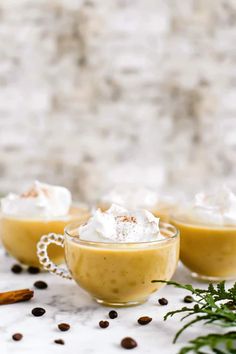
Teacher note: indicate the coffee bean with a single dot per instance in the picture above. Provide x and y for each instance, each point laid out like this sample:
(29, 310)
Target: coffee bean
(59, 341)
(113, 314)
(103, 324)
(33, 270)
(128, 343)
(38, 311)
(16, 268)
(40, 284)
(17, 336)
(64, 327)
(144, 320)
(163, 301)
(188, 299)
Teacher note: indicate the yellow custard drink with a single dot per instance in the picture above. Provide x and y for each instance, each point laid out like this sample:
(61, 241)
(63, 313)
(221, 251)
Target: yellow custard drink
(26, 217)
(116, 254)
(136, 197)
(208, 235)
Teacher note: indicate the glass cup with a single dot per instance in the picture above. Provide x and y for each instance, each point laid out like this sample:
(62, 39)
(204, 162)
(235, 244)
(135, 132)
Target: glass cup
(114, 274)
(208, 251)
(20, 235)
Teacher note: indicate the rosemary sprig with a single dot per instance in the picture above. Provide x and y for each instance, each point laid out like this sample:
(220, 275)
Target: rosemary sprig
(216, 304)
(218, 343)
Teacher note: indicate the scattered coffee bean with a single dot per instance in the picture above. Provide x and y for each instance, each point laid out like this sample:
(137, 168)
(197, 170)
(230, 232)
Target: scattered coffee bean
(103, 324)
(128, 343)
(163, 301)
(64, 327)
(33, 270)
(144, 320)
(17, 336)
(188, 299)
(38, 311)
(16, 268)
(40, 284)
(59, 341)
(113, 314)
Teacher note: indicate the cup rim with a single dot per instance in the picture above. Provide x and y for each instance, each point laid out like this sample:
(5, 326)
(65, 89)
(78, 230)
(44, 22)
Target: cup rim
(183, 221)
(163, 225)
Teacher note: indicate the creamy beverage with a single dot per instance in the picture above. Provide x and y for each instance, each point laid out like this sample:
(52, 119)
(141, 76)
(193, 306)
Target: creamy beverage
(208, 235)
(26, 217)
(116, 254)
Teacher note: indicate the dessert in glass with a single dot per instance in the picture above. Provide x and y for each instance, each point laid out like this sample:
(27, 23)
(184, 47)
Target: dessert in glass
(116, 254)
(26, 217)
(135, 197)
(208, 235)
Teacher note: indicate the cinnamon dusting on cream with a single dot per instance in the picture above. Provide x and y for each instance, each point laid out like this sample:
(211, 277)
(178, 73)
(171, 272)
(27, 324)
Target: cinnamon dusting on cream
(127, 218)
(31, 193)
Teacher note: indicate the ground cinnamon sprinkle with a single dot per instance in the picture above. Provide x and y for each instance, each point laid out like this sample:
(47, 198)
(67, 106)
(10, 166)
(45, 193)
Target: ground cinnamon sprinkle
(32, 193)
(127, 218)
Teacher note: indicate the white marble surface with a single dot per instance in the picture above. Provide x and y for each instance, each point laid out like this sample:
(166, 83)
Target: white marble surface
(64, 301)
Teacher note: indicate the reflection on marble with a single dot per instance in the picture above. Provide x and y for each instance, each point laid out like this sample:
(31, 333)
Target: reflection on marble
(64, 301)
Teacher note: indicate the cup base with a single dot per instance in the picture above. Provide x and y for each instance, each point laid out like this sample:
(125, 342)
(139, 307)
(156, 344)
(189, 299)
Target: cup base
(206, 278)
(119, 304)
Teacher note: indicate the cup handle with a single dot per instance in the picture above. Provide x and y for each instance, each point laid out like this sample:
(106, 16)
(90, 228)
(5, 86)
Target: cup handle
(42, 254)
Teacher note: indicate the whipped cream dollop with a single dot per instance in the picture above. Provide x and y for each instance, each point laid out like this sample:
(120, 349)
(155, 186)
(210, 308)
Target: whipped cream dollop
(121, 225)
(41, 200)
(217, 208)
(134, 197)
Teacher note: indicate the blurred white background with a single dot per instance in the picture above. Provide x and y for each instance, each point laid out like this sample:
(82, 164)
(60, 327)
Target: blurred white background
(98, 92)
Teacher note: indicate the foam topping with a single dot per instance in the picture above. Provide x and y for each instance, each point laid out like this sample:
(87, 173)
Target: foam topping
(41, 200)
(119, 225)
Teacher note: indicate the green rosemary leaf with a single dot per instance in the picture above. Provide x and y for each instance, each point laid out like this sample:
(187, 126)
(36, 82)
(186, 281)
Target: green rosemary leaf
(214, 305)
(218, 343)
(177, 285)
(183, 309)
(188, 324)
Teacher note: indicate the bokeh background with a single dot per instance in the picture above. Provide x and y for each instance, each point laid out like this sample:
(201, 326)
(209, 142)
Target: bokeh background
(94, 93)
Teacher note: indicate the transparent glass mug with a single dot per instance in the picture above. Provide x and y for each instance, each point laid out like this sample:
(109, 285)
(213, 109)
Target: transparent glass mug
(208, 251)
(20, 234)
(114, 274)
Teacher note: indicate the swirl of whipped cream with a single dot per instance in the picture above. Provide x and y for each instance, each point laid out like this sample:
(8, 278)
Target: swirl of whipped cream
(41, 200)
(218, 208)
(120, 225)
(134, 197)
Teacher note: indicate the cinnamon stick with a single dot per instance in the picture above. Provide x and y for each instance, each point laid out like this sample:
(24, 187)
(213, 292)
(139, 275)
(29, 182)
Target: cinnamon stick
(13, 296)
